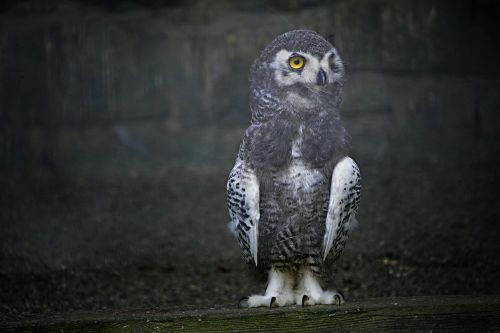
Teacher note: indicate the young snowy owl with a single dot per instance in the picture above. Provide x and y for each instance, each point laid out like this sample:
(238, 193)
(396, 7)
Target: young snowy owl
(293, 192)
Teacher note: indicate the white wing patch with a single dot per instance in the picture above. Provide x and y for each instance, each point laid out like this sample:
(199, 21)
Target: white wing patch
(243, 204)
(344, 199)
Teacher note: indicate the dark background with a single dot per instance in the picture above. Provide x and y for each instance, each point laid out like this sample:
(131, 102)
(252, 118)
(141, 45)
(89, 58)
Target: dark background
(119, 123)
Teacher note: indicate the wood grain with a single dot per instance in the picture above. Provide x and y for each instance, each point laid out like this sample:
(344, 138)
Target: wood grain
(415, 314)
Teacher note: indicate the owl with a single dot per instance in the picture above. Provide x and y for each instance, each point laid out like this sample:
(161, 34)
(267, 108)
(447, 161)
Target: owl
(293, 192)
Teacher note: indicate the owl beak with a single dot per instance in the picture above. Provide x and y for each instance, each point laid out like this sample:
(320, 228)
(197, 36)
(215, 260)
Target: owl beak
(321, 78)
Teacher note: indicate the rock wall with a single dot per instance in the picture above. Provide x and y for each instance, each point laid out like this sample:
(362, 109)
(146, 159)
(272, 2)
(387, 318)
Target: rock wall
(131, 90)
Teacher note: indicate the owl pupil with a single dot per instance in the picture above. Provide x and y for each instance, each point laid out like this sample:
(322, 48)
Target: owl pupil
(296, 62)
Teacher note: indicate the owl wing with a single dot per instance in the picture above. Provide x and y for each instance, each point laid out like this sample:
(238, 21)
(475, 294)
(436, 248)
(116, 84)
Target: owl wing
(243, 204)
(345, 192)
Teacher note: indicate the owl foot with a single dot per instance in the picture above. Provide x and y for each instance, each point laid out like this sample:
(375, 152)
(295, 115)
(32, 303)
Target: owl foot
(309, 291)
(325, 297)
(266, 300)
(279, 292)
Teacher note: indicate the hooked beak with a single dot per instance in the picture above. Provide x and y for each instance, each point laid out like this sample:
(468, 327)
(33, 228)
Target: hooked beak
(321, 78)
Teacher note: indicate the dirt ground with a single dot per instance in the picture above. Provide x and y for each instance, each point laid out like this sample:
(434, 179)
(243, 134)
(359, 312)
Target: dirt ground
(425, 229)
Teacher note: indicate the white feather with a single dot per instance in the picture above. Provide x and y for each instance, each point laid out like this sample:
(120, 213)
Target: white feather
(344, 176)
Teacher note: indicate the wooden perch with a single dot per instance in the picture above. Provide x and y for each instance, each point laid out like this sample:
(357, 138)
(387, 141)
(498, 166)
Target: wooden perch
(429, 314)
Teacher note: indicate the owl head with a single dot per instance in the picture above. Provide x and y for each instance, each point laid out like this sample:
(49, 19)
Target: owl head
(300, 70)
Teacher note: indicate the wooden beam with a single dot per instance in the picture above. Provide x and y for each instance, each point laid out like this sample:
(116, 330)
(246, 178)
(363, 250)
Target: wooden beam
(429, 314)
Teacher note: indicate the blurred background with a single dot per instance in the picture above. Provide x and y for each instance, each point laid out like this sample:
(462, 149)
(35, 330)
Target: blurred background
(120, 120)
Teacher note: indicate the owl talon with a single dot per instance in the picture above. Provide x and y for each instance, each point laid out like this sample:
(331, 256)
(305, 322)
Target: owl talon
(338, 297)
(273, 301)
(341, 297)
(243, 303)
(305, 300)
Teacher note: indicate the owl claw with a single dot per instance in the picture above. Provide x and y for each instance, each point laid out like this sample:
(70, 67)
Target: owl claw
(273, 300)
(340, 297)
(305, 300)
(243, 303)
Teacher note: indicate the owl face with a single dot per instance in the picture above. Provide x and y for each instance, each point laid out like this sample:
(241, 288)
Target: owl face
(302, 68)
(299, 69)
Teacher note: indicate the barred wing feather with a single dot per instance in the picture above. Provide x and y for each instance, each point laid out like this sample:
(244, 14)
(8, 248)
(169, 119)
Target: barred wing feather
(243, 204)
(345, 193)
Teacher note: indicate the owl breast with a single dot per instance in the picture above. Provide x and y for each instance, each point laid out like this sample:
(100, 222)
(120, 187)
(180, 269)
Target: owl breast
(294, 211)
(298, 178)
(303, 190)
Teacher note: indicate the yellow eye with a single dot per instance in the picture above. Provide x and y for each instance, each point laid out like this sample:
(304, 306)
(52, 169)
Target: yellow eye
(296, 62)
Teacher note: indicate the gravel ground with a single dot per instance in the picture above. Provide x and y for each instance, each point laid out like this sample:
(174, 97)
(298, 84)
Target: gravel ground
(425, 229)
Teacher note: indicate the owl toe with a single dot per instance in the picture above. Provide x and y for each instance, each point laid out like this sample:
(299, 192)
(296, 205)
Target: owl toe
(332, 297)
(243, 303)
